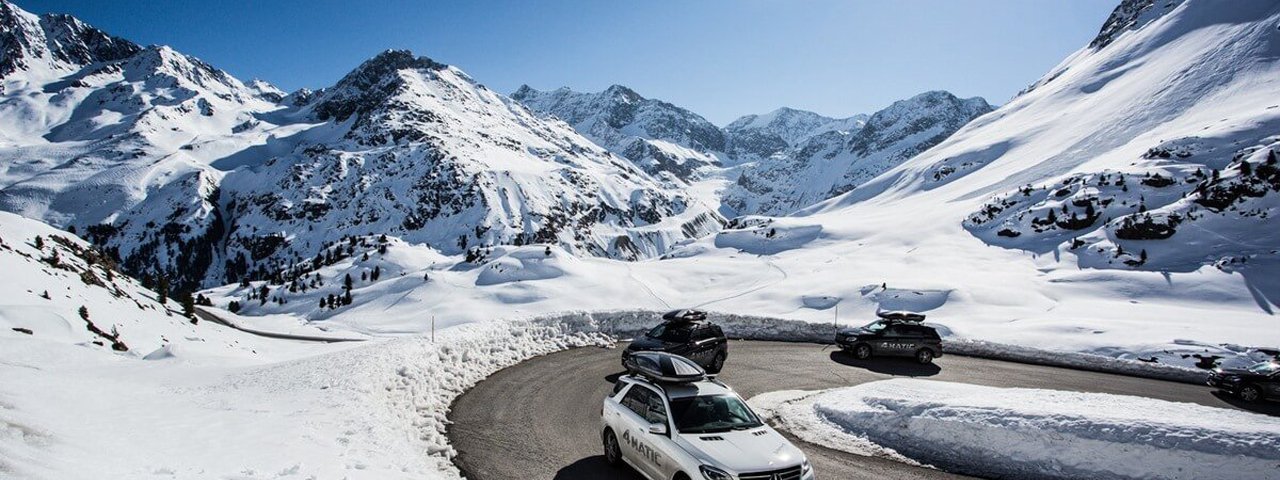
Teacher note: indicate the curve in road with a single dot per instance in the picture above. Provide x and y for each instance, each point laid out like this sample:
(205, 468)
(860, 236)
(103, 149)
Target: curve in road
(539, 419)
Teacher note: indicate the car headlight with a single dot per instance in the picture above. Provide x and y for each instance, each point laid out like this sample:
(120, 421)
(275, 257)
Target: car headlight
(712, 473)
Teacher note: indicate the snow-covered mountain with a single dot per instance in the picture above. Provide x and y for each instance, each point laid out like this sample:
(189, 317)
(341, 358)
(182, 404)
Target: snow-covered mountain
(788, 158)
(413, 148)
(180, 169)
(657, 136)
(829, 157)
(793, 126)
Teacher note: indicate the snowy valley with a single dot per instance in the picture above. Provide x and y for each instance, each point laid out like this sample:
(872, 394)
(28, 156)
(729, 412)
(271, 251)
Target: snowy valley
(1116, 215)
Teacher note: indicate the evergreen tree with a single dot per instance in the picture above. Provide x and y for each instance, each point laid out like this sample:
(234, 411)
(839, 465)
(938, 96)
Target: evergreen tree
(346, 299)
(263, 293)
(39, 242)
(233, 307)
(188, 305)
(1245, 168)
(1143, 255)
(347, 283)
(84, 313)
(162, 288)
(1271, 158)
(377, 272)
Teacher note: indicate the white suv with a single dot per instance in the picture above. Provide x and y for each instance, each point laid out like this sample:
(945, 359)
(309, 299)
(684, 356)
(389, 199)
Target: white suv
(672, 422)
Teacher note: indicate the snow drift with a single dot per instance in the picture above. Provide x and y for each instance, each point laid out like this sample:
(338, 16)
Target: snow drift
(1029, 433)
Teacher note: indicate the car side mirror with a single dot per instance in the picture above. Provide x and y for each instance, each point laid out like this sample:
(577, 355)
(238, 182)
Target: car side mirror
(658, 429)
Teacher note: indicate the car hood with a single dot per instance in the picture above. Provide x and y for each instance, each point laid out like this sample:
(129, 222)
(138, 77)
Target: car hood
(646, 344)
(758, 449)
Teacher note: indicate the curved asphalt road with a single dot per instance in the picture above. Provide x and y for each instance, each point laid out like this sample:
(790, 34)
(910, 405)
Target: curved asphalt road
(538, 419)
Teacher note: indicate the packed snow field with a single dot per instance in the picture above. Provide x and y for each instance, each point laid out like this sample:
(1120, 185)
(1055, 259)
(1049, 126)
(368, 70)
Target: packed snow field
(1029, 433)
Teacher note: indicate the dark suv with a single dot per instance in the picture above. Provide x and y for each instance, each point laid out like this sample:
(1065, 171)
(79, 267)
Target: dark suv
(1251, 384)
(895, 334)
(686, 333)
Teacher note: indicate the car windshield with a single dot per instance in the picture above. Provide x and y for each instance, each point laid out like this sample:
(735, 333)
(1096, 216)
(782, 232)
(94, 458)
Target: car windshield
(1265, 368)
(875, 326)
(669, 333)
(711, 414)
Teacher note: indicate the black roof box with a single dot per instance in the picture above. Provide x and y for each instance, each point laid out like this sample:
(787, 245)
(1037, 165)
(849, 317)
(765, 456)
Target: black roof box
(685, 316)
(666, 367)
(901, 315)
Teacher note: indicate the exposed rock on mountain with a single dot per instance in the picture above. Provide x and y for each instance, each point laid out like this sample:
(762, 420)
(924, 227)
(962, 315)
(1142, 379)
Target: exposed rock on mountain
(836, 160)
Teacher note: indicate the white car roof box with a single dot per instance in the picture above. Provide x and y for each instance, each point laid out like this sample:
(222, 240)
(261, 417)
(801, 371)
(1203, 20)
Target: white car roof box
(903, 315)
(666, 367)
(685, 315)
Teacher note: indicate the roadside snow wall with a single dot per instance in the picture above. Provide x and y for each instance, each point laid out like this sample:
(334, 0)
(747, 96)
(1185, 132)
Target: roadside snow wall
(1031, 433)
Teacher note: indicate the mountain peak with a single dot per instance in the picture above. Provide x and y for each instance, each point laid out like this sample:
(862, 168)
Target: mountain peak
(1130, 15)
(622, 93)
(369, 84)
(54, 40)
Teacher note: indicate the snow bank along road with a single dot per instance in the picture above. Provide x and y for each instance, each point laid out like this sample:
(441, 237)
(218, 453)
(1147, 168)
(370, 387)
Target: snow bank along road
(538, 419)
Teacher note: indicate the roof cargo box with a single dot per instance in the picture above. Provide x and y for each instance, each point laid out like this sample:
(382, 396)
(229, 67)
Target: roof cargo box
(685, 316)
(901, 315)
(666, 367)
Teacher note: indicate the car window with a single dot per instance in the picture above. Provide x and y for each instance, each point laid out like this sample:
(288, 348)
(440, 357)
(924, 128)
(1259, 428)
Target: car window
(716, 331)
(618, 386)
(712, 413)
(657, 412)
(874, 327)
(1265, 368)
(702, 333)
(637, 400)
(670, 333)
(895, 330)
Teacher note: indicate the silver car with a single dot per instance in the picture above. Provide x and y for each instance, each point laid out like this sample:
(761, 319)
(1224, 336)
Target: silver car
(670, 424)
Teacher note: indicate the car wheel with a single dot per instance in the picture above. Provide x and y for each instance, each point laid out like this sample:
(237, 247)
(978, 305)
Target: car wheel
(924, 356)
(1250, 393)
(862, 352)
(612, 451)
(717, 363)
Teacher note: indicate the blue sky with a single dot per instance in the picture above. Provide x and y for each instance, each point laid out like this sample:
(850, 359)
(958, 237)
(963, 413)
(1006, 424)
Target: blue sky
(721, 59)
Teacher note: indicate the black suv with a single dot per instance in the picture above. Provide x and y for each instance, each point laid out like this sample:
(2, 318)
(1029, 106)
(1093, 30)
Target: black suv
(895, 334)
(686, 333)
(1255, 383)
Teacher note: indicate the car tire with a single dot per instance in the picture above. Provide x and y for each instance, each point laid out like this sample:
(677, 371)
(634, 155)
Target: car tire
(861, 352)
(924, 356)
(680, 476)
(717, 363)
(1250, 393)
(612, 450)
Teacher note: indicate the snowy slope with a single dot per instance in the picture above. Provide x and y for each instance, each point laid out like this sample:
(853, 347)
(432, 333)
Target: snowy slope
(829, 160)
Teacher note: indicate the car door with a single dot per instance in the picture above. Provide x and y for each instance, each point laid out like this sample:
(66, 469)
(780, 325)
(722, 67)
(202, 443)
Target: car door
(1271, 387)
(638, 445)
(893, 340)
(666, 451)
(702, 345)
